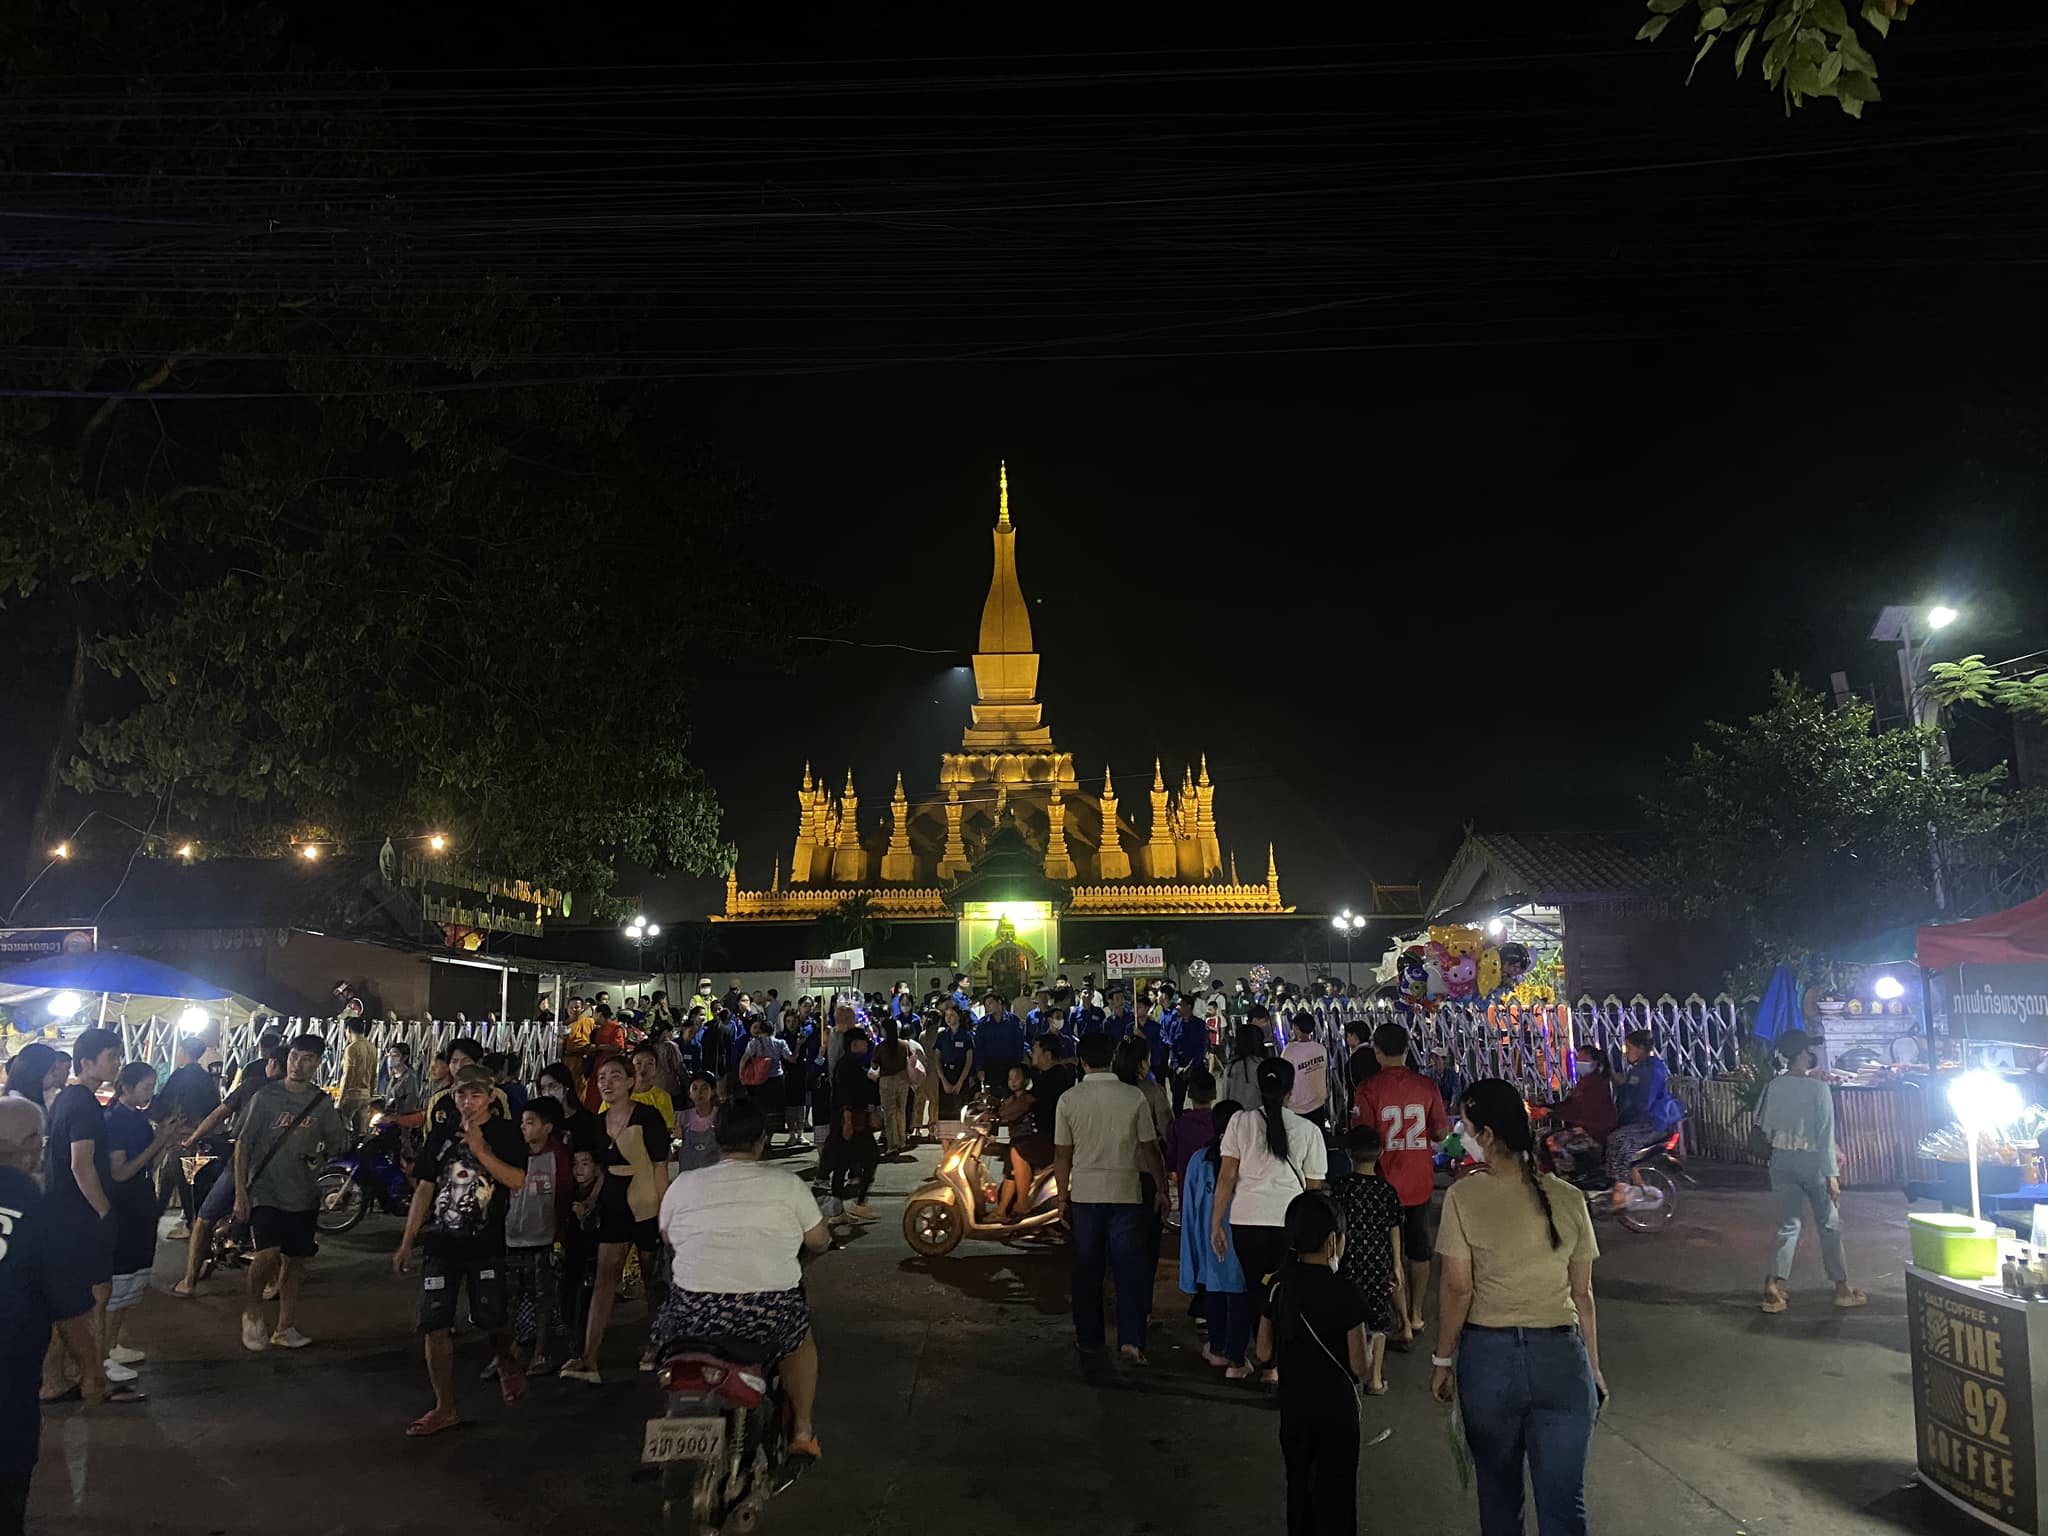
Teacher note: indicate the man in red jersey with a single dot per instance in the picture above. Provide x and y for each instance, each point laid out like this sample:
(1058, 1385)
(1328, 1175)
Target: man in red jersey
(1407, 1110)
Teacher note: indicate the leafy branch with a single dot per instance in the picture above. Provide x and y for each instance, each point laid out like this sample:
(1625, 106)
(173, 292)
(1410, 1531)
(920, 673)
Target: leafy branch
(1811, 47)
(1975, 681)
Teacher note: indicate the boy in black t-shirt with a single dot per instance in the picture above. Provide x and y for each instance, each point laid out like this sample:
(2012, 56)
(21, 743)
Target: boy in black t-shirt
(1316, 1321)
(467, 1174)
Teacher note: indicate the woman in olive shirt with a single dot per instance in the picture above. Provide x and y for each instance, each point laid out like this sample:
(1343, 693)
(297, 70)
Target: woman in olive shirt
(1515, 1332)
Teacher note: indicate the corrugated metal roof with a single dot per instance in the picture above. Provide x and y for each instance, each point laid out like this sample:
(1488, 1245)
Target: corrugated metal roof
(1552, 864)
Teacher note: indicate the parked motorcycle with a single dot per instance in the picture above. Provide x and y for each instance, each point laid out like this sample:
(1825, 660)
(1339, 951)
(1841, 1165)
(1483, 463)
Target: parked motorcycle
(371, 1176)
(722, 1441)
(956, 1201)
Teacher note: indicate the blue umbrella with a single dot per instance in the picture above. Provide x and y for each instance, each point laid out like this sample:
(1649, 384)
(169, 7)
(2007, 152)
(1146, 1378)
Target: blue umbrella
(109, 971)
(1778, 1009)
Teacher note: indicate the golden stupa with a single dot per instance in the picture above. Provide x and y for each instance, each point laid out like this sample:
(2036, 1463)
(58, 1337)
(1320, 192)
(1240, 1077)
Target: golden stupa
(1009, 835)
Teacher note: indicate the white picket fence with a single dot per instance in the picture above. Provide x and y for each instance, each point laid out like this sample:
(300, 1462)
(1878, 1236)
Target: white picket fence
(1532, 1046)
(531, 1044)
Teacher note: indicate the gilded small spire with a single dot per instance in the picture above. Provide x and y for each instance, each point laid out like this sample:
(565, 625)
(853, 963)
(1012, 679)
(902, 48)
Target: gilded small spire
(1204, 779)
(1272, 867)
(849, 781)
(807, 774)
(1002, 494)
(1158, 777)
(776, 883)
(1108, 788)
(1233, 866)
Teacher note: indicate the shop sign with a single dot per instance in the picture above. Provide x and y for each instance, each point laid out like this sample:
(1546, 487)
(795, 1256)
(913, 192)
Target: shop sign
(811, 972)
(18, 946)
(1125, 962)
(1973, 1401)
(2005, 1003)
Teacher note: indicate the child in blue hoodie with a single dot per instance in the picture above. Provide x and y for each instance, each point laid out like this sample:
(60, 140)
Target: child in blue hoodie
(1644, 1107)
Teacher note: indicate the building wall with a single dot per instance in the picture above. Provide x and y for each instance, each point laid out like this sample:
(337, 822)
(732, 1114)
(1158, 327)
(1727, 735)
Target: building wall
(1626, 949)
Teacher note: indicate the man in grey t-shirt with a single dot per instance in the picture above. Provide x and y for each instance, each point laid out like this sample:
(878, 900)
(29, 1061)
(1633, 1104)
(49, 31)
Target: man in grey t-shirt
(288, 1131)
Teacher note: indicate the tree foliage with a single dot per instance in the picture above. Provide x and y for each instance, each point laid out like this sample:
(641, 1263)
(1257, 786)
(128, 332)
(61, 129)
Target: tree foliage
(1810, 47)
(1805, 827)
(1973, 680)
(340, 573)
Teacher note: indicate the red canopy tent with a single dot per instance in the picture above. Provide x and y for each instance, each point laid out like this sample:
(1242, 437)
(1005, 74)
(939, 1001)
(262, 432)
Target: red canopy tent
(2016, 936)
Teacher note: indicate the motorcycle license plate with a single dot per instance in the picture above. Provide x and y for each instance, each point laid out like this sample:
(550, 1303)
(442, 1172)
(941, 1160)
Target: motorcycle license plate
(683, 1440)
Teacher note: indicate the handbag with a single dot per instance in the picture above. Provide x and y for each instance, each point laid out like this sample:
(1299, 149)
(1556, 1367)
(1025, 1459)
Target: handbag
(756, 1070)
(1759, 1138)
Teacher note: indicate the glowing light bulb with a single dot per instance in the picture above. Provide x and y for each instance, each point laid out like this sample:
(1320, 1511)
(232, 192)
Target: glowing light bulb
(1940, 616)
(437, 842)
(1889, 987)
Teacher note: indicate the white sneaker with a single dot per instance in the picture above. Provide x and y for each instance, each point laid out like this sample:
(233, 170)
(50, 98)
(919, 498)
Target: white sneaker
(117, 1372)
(253, 1337)
(289, 1338)
(121, 1354)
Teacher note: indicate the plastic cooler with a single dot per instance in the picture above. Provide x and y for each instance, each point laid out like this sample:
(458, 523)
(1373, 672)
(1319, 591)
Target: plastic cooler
(1961, 1247)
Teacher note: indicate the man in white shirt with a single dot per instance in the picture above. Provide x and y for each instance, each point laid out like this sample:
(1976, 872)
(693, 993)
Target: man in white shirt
(1309, 1097)
(1103, 1138)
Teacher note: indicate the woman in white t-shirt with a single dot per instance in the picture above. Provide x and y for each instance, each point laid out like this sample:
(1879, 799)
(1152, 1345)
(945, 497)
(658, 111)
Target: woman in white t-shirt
(738, 1228)
(1266, 1158)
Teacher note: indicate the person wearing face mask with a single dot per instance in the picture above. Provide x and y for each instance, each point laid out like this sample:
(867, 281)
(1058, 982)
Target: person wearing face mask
(38, 1073)
(1315, 1328)
(1516, 1337)
(580, 1130)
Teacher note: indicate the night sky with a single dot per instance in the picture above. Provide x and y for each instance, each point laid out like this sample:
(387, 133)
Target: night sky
(1434, 426)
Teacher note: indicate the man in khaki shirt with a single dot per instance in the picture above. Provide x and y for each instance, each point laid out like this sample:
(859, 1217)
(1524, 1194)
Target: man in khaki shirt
(358, 1073)
(1102, 1140)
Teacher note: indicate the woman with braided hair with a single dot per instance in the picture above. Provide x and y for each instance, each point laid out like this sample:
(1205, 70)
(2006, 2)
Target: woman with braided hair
(1516, 1338)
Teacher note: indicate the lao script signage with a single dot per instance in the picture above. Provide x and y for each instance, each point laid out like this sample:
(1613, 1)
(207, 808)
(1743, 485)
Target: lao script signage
(2006, 1003)
(1973, 1401)
(812, 972)
(1123, 962)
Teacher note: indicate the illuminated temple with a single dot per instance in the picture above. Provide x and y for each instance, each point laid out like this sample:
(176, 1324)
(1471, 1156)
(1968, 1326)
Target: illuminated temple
(1010, 842)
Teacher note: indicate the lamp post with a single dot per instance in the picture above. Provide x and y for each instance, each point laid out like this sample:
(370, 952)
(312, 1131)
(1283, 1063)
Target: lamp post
(1983, 1101)
(1923, 710)
(1348, 923)
(640, 931)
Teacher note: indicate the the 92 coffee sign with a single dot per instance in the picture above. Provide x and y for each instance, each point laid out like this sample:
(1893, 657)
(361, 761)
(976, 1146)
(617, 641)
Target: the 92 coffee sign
(1973, 1402)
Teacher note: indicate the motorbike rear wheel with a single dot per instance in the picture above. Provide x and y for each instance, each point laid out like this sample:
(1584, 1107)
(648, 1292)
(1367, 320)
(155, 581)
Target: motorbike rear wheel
(933, 1227)
(1653, 1218)
(343, 1202)
(687, 1494)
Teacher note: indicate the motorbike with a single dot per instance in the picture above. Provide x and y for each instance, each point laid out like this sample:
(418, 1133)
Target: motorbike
(722, 1441)
(1653, 1182)
(956, 1201)
(372, 1175)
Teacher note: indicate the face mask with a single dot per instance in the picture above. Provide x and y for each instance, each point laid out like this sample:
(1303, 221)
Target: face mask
(1475, 1149)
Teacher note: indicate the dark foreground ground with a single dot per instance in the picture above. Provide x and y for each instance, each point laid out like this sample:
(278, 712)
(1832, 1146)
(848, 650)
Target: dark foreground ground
(952, 1400)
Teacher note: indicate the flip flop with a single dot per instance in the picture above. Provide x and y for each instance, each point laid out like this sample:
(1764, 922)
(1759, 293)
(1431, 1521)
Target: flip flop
(70, 1394)
(431, 1423)
(1774, 1302)
(1853, 1298)
(124, 1395)
(511, 1384)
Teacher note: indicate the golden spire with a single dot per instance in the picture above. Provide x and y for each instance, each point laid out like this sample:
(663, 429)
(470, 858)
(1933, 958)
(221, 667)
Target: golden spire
(1272, 870)
(1158, 778)
(1108, 788)
(776, 883)
(1205, 769)
(849, 781)
(1233, 866)
(807, 773)
(1002, 494)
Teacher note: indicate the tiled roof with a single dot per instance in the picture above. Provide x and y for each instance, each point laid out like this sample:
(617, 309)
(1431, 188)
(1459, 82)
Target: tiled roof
(1546, 865)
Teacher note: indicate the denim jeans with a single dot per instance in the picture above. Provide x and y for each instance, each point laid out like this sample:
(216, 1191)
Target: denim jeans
(1111, 1236)
(1527, 1393)
(1230, 1323)
(1798, 1180)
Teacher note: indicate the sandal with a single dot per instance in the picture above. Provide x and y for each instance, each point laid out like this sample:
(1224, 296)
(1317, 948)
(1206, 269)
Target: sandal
(1378, 1391)
(1774, 1301)
(124, 1395)
(511, 1384)
(805, 1445)
(1131, 1355)
(70, 1394)
(1239, 1373)
(432, 1422)
(1851, 1298)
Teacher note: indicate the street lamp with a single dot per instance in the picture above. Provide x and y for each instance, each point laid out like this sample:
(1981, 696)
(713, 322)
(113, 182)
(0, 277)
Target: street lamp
(640, 931)
(1347, 923)
(1897, 625)
(1983, 1101)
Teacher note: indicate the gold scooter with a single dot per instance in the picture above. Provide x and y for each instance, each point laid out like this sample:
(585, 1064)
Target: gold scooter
(956, 1202)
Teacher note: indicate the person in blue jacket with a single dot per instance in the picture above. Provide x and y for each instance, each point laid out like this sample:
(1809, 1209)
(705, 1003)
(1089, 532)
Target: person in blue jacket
(999, 1041)
(1082, 1019)
(1187, 1047)
(1119, 1021)
(1644, 1106)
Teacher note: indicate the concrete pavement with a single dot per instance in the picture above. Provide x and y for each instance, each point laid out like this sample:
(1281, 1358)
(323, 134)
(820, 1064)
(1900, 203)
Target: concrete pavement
(952, 1395)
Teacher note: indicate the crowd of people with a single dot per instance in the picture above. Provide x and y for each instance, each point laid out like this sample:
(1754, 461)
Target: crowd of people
(1299, 1153)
